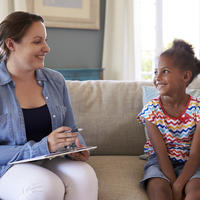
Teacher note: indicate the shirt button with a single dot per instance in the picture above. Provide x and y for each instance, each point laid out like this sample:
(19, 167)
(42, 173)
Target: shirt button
(39, 82)
(54, 116)
(46, 97)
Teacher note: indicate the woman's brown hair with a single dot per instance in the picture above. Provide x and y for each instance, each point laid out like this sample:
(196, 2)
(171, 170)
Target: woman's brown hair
(14, 26)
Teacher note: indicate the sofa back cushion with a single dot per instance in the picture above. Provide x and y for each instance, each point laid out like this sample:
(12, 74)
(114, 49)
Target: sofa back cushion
(107, 112)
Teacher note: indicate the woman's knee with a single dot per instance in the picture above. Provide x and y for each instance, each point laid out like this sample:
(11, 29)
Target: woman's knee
(79, 178)
(30, 182)
(88, 174)
(73, 171)
(82, 174)
(49, 186)
(84, 183)
(46, 188)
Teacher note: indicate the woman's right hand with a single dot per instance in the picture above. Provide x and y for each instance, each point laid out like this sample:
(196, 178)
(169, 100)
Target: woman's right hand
(60, 137)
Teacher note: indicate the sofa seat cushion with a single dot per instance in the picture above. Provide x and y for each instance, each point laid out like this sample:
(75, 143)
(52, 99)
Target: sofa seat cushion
(119, 177)
(107, 111)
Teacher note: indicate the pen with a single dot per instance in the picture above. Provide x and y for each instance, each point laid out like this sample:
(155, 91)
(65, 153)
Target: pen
(73, 145)
(79, 130)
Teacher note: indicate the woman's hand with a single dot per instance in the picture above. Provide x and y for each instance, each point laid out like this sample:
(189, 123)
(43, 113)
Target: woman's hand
(81, 156)
(60, 137)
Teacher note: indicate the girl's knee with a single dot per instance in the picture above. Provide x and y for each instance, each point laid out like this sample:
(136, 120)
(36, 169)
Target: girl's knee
(158, 188)
(193, 195)
(192, 189)
(158, 184)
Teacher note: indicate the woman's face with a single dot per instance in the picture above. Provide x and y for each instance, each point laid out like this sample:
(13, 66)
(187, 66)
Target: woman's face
(30, 52)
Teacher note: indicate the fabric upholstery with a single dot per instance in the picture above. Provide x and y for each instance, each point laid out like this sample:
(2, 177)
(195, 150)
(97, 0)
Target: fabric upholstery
(119, 177)
(107, 112)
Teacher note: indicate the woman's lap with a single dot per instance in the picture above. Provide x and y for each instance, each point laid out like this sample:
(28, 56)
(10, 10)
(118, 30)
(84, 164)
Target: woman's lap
(29, 182)
(48, 180)
(75, 174)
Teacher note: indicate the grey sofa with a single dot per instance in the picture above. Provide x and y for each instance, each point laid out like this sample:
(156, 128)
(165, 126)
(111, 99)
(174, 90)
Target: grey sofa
(107, 111)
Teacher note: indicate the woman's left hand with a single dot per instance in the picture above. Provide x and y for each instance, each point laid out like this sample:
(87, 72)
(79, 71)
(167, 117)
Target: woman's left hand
(79, 156)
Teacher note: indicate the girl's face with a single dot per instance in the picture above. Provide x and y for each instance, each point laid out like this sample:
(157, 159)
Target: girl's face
(30, 52)
(169, 79)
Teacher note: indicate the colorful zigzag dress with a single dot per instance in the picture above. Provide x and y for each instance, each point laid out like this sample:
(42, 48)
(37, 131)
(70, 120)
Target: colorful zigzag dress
(176, 132)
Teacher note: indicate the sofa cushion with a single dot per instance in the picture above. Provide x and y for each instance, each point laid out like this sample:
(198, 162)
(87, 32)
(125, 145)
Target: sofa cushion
(107, 112)
(119, 177)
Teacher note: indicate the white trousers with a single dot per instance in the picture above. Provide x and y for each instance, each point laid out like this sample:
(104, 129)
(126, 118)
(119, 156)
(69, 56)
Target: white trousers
(57, 179)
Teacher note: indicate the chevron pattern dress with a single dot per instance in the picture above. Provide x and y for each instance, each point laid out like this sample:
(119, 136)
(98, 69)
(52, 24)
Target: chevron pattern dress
(176, 132)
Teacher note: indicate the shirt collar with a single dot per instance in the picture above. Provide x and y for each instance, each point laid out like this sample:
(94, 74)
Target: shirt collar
(4, 75)
(40, 75)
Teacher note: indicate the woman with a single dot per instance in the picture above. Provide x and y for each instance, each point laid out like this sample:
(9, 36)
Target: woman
(35, 116)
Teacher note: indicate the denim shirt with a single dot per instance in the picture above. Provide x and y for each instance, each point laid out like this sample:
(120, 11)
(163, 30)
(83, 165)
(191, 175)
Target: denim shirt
(13, 142)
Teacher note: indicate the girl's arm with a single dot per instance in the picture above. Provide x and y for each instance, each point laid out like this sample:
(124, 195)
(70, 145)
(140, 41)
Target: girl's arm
(161, 151)
(192, 163)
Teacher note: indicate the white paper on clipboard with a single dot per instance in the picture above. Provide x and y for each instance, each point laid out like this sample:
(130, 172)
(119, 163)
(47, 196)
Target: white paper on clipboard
(54, 155)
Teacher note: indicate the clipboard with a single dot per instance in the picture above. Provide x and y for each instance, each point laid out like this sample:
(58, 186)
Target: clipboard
(54, 155)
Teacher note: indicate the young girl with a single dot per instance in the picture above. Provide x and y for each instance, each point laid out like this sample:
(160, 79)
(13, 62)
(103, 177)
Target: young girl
(172, 119)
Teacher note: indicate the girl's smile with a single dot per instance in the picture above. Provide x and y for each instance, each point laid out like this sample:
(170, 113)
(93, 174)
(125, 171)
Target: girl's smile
(168, 78)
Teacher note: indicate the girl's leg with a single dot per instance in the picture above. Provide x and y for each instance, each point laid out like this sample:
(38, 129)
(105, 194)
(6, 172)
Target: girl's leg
(30, 182)
(158, 188)
(192, 189)
(78, 177)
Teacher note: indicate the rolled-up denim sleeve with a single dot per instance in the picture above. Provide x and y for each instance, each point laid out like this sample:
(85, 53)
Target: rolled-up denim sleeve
(11, 153)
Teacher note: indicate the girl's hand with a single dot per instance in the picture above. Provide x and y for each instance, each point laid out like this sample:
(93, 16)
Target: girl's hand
(81, 156)
(60, 138)
(177, 192)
